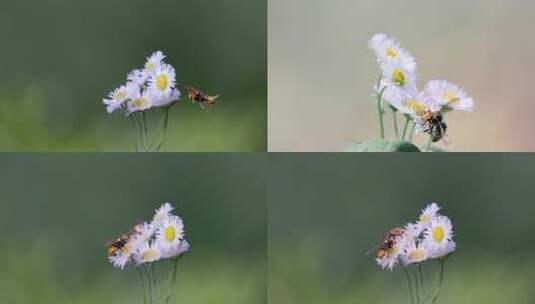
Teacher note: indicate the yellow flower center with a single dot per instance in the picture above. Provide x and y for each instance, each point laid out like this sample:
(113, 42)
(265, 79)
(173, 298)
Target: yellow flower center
(450, 97)
(418, 108)
(120, 95)
(161, 82)
(149, 255)
(390, 52)
(398, 77)
(169, 233)
(417, 255)
(438, 234)
(141, 103)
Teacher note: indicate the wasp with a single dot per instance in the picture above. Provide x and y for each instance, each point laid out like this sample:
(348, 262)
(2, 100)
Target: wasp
(389, 241)
(119, 243)
(436, 127)
(203, 99)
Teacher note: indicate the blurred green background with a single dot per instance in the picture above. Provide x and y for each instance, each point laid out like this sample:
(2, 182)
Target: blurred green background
(58, 211)
(61, 57)
(327, 211)
(321, 72)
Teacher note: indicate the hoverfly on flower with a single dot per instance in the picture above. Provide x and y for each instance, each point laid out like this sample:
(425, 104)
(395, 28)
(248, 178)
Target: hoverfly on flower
(397, 86)
(430, 226)
(165, 232)
(162, 238)
(430, 237)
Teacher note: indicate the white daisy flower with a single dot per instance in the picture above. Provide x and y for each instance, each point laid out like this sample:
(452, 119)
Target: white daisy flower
(147, 254)
(140, 101)
(412, 232)
(410, 235)
(418, 104)
(119, 260)
(163, 80)
(412, 105)
(418, 107)
(119, 96)
(144, 232)
(174, 251)
(167, 98)
(388, 52)
(414, 253)
(400, 84)
(153, 62)
(449, 95)
(137, 76)
(438, 237)
(389, 261)
(427, 215)
(438, 252)
(161, 214)
(183, 248)
(170, 233)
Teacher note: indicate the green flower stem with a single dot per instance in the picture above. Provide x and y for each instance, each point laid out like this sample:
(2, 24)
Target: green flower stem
(395, 121)
(163, 128)
(147, 143)
(405, 127)
(428, 145)
(441, 280)
(431, 293)
(152, 291)
(173, 281)
(145, 270)
(142, 281)
(412, 131)
(380, 113)
(408, 276)
(134, 129)
(153, 282)
(139, 128)
(421, 276)
(153, 274)
(144, 115)
(417, 284)
(140, 118)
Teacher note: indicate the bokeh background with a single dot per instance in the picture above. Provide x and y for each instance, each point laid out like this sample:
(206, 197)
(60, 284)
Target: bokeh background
(321, 72)
(58, 211)
(60, 58)
(327, 211)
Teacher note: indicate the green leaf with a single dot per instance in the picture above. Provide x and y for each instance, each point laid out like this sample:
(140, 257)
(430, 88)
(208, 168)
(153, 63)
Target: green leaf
(382, 145)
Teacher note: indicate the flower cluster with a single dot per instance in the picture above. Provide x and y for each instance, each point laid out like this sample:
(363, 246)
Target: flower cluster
(397, 86)
(162, 238)
(150, 87)
(430, 237)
